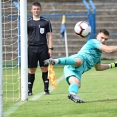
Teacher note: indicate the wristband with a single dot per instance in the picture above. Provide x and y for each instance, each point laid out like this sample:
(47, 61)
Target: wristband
(51, 48)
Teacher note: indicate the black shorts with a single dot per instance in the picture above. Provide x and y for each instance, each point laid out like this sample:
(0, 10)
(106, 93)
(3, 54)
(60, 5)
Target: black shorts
(37, 54)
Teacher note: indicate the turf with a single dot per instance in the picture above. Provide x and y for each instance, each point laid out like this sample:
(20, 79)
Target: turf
(98, 90)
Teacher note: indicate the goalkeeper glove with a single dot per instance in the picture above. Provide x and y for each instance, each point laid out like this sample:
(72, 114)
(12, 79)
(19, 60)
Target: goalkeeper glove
(113, 65)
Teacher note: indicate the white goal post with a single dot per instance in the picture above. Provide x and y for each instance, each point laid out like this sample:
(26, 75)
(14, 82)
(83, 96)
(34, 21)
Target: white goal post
(24, 66)
(6, 28)
(22, 20)
(1, 73)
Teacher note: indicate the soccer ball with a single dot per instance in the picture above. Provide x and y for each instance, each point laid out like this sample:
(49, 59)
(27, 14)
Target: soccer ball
(82, 29)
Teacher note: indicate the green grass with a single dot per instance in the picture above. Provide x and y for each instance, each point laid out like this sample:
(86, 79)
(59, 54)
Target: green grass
(99, 90)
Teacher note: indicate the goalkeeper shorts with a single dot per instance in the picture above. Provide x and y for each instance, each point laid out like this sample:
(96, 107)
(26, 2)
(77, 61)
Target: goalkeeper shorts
(71, 71)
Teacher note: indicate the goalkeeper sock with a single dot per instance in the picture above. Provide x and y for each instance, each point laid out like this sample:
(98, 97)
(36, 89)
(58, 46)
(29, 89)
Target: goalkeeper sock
(73, 88)
(113, 65)
(31, 78)
(66, 61)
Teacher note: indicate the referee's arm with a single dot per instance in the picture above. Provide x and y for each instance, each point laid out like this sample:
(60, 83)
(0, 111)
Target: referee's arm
(50, 43)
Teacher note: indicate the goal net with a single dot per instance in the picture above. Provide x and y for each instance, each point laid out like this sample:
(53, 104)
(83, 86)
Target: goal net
(11, 51)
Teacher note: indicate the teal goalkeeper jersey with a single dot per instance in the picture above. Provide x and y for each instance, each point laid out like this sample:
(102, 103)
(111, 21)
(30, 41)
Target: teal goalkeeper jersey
(90, 54)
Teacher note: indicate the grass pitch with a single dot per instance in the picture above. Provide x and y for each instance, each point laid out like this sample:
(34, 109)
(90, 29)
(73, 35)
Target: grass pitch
(98, 90)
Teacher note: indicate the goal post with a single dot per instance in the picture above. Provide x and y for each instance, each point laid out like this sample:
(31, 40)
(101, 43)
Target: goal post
(24, 64)
(13, 76)
(22, 32)
(1, 73)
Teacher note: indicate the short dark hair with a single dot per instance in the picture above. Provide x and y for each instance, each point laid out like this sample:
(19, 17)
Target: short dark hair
(36, 4)
(104, 31)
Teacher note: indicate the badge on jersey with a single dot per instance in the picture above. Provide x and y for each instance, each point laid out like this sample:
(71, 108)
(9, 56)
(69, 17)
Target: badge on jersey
(41, 30)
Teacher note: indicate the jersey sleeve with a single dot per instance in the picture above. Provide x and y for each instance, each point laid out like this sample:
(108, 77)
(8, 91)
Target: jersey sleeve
(96, 43)
(49, 27)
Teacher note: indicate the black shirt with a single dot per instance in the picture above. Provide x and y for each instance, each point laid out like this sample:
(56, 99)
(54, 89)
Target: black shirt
(37, 30)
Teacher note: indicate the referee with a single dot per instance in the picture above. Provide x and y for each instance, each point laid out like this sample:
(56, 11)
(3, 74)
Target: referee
(39, 46)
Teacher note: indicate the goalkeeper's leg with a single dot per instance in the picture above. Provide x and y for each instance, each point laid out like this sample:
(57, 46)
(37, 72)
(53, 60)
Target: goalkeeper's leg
(73, 78)
(61, 61)
(64, 61)
(73, 90)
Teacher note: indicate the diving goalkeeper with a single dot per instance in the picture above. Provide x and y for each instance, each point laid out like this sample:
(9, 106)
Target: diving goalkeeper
(89, 56)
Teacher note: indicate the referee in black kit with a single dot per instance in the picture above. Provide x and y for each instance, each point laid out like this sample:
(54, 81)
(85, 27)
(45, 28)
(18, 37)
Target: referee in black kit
(39, 46)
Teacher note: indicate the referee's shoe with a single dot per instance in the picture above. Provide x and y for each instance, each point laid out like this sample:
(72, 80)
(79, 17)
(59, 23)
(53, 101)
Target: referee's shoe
(46, 92)
(30, 93)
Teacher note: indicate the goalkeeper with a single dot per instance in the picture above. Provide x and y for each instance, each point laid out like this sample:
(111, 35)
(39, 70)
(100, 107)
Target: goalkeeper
(89, 56)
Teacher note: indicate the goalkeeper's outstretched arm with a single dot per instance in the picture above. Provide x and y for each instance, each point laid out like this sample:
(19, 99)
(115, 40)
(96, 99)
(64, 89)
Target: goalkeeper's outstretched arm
(101, 67)
(108, 49)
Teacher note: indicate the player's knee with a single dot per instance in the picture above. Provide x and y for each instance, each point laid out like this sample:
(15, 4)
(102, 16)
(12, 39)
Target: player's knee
(79, 85)
(75, 80)
(78, 82)
(32, 70)
(44, 69)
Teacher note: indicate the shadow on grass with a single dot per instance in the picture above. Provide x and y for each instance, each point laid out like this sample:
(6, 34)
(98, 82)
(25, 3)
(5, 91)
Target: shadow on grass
(104, 100)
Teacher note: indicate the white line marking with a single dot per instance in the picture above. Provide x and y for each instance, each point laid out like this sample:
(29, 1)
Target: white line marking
(13, 108)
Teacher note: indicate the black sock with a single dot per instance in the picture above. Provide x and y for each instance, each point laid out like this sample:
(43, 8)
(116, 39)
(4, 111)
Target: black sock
(45, 81)
(31, 78)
